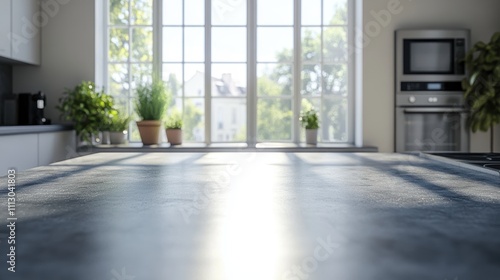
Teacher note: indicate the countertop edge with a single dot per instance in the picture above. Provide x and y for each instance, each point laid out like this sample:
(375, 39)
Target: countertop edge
(33, 129)
(166, 148)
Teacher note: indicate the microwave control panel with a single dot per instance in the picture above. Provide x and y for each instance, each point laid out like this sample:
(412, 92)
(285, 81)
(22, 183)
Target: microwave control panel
(431, 86)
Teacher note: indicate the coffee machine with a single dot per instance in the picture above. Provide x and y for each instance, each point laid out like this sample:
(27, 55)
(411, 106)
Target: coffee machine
(30, 109)
(40, 101)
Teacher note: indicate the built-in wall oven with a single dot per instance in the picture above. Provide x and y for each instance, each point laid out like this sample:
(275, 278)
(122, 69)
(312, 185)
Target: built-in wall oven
(430, 111)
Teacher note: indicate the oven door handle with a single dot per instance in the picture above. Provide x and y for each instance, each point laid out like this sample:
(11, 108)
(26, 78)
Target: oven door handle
(435, 110)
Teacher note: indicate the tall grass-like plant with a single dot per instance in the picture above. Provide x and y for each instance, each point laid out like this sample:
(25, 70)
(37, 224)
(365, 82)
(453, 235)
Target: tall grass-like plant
(119, 123)
(152, 101)
(482, 88)
(151, 105)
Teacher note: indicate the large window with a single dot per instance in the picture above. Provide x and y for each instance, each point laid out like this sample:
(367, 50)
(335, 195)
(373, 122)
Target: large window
(130, 51)
(238, 71)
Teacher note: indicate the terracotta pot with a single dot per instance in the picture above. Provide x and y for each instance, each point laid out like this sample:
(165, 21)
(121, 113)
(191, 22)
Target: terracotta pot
(174, 136)
(118, 137)
(312, 136)
(149, 131)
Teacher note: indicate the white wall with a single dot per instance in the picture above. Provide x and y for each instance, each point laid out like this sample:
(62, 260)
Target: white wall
(480, 16)
(68, 51)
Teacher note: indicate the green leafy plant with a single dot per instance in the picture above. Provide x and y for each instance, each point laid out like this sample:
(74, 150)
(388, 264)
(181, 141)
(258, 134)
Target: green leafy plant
(119, 123)
(309, 119)
(174, 121)
(152, 100)
(87, 108)
(482, 87)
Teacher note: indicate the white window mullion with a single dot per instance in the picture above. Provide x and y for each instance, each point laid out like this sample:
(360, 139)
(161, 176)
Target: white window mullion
(183, 78)
(208, 72)
(157, 38)
(252, 98)
(106, 44)
(351, 62)
(321, 108)
(296, 103)
(129, 59)
(251, 73)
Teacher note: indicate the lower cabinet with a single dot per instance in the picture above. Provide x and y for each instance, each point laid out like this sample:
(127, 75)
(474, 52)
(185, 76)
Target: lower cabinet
(27, 151)
(53, 147)
(19, 152)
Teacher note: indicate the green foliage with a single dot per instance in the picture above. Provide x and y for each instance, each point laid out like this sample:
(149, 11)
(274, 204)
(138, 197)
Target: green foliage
(274, 116)
(174, 121)
(482, 88)
(130, 40)
(192, 119)
(119, 123)
(87, 108)
(192, 116)
(309, 119)
(328, 79)
(152, 100)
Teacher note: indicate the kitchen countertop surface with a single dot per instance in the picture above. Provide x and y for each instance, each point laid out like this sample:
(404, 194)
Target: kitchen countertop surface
(29, 129)
(255, 216)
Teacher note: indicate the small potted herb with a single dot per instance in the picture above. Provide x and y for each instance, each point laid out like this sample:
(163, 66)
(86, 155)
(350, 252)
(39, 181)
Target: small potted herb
(309, 120)
(118, 129)
(173, 127)
(151, 105)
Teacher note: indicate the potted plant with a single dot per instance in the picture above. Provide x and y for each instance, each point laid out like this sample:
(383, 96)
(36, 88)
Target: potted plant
(309, 120)
(151, 105)
(106, 127)
(173, 126)
(88, 109)
(118, 129)
(482, 87)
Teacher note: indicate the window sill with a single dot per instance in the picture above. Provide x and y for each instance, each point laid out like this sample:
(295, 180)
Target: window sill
(228, 147)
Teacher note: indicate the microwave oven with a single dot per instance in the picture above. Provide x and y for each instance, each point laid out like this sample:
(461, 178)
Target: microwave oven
(431, 55)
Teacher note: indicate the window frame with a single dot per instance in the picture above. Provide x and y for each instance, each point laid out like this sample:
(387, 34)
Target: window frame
(252, 64)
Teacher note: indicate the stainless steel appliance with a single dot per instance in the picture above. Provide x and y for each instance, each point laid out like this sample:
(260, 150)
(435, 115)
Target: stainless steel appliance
(486, 163)
(430, 110)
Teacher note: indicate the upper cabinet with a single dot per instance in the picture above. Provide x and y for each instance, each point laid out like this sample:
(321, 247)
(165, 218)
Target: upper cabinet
(5, 28)
(21, 36)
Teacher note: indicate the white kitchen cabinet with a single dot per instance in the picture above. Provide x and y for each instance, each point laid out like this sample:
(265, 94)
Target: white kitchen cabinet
(25, 45)
(5, 27)
(34, 148)
(56, 146)
(19, 152)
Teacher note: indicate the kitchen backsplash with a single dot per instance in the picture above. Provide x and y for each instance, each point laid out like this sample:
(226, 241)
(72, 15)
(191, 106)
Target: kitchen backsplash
(5, 85)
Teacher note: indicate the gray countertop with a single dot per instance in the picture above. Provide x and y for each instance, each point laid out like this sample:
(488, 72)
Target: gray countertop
(240, 216)
(29, 129)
